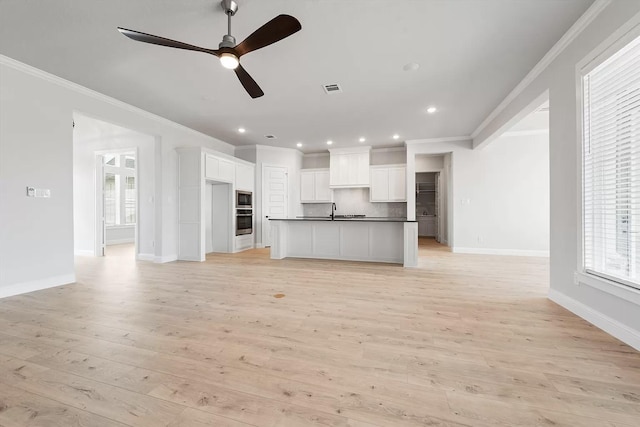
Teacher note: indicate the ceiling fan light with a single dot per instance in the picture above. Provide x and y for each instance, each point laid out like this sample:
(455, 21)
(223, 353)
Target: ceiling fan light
(229, 60)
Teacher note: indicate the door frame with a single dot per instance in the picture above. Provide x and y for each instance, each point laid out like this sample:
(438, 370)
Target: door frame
(100, 235)
(263, 202)
(100, 226)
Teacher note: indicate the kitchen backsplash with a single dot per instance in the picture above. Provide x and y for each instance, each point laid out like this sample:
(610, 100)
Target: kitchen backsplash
(355, 201)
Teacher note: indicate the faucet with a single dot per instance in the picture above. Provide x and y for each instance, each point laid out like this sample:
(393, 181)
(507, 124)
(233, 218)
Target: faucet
(333, 210)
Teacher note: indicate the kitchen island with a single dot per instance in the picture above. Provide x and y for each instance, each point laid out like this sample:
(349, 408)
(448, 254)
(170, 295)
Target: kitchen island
(391, 240)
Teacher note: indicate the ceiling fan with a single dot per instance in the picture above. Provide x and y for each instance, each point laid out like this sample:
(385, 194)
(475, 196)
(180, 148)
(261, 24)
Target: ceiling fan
(228, 51)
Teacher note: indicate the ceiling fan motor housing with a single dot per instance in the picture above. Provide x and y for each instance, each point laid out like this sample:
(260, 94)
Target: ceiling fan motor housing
(227, 41)
(230, 7)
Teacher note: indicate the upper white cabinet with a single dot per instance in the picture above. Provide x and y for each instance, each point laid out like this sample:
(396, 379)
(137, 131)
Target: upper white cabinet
(245, 177)
(219, 169)
(388, 183)
(349, 167)
(314, 186)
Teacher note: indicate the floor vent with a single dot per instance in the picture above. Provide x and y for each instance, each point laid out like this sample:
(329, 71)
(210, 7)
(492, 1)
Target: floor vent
(332, 88)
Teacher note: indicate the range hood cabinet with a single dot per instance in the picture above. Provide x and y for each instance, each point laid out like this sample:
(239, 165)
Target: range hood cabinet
(349, 167)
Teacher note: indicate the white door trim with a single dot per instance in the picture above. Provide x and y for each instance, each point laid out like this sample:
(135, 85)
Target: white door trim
(100, 228)
(263, 199)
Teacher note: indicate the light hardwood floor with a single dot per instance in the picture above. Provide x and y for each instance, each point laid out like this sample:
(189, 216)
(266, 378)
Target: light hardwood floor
(464, 340)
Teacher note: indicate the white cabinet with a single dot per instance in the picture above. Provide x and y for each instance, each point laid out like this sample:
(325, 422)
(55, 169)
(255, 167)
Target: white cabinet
(388, 183)
(206, 211)
(427, 226)
(314, 186)
(245, 177)
(349, 167)
(219, 169)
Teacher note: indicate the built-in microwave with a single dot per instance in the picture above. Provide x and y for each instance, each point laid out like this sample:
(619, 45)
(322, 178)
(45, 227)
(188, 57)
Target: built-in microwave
(244, 199)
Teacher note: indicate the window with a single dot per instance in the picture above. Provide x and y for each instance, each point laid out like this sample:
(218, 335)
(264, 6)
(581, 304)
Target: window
(119, 190)
(611, 167)
(110, 199)
(129, 162)
(130, 200)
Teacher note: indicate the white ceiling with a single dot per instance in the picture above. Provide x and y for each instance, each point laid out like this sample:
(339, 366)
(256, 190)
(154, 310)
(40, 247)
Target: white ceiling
(472, 53)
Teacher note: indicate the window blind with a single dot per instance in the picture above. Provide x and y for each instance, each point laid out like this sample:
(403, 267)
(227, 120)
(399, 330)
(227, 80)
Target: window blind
(611, 167)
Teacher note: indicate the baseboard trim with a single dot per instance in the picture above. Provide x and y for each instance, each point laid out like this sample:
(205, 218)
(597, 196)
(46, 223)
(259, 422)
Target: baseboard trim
(78, 252)
(36, 285)
(120, 241)
(146, 257)
(611, 326)
(166, 258)
(157, 259)
(489, 251)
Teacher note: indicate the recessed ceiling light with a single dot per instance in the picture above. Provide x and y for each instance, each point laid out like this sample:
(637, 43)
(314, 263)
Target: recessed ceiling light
(431, 110)
(299, 144)
(396, 136)
(411, 66)
(329, 142)
(363, 139)
(242, 130)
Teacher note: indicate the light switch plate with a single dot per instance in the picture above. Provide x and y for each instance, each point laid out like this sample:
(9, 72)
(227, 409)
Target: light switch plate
(31, 192)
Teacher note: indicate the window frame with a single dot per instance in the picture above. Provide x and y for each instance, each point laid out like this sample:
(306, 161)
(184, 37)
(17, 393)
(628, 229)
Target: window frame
(613, 44)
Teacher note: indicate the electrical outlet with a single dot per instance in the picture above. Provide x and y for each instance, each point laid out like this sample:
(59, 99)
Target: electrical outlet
(576, 278)
(31, 192)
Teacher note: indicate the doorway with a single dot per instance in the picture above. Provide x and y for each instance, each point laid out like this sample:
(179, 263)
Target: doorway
(275, 196)
(114, 190)
(432, 196)
(117, 202)
(218, 224)
(428, 205)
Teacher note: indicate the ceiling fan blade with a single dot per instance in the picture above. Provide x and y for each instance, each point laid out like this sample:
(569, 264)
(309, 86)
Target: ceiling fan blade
(161, 41)
(249, 84)
(275, 30)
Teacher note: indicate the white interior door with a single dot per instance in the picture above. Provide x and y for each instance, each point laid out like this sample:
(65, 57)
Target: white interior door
(275, 198)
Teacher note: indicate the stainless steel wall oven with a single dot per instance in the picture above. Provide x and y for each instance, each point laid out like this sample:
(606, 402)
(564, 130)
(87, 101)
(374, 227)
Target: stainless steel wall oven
(244, 221)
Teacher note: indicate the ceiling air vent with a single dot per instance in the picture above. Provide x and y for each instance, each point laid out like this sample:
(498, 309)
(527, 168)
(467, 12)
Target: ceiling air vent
(332, 88)
(270, 136)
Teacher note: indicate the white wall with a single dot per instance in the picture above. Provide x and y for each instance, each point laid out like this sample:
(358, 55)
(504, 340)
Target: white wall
(427, 163)
(388, 156)
(607, 306)
(36, 141)
(272, 156)
(90, 136)
(499, 197)
(379, 156)
(502, 197)
(315, 161)
(120, 234)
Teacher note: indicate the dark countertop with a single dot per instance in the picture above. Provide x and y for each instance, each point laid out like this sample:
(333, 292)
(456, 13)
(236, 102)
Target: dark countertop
(327, 218)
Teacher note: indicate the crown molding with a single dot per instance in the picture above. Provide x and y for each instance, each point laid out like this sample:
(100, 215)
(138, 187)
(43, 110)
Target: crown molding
(67, 84)
(526, 132)
(576, 29)
(444, 139)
